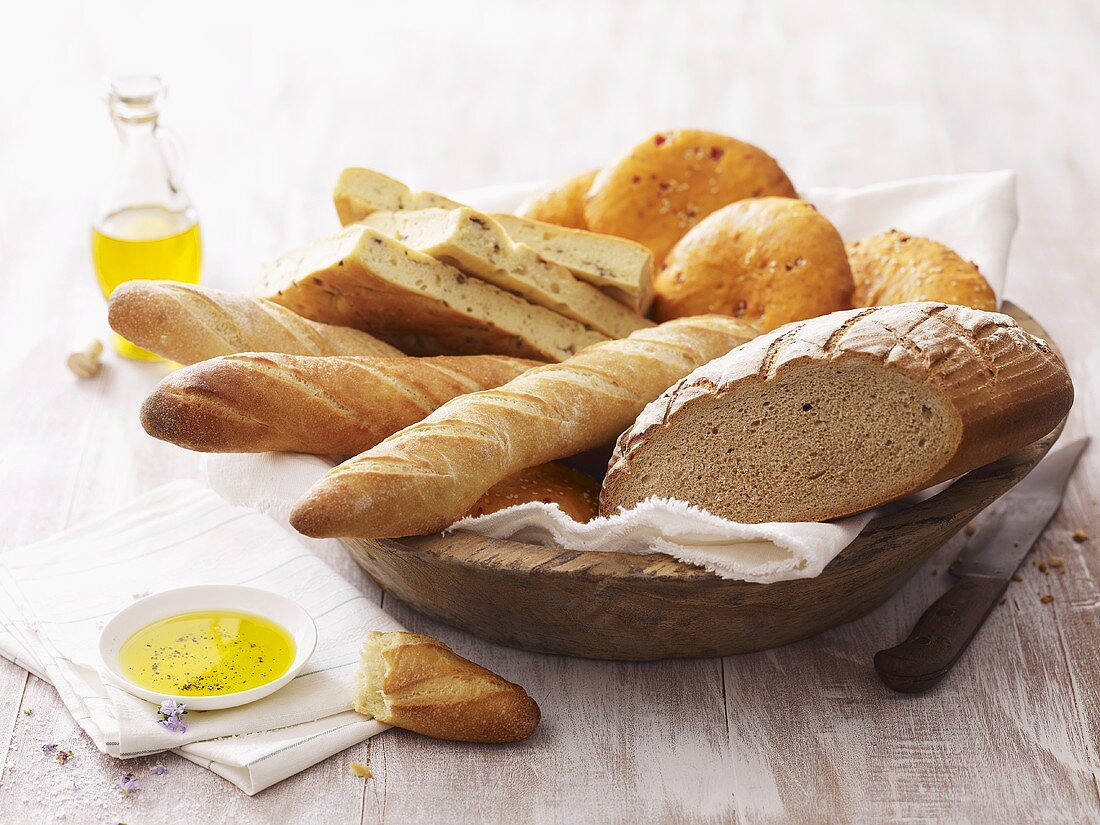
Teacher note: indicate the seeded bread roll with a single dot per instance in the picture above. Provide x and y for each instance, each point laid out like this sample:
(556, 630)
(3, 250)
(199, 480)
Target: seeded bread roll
(673, 180)
(417, 683)
(364, 279)
(823, 418)
(186, 323)
(429, 475)
(895, 268)
(260, 402)
(767, 260)
(561, 204)
(576, 494)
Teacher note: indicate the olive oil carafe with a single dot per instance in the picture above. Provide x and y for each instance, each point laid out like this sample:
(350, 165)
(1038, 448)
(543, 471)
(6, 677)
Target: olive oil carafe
(146, 227)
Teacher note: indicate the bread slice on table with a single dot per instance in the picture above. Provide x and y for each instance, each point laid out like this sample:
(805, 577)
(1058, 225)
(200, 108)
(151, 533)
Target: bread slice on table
(622, 268)
(476, 244)
(364, 279)
(338, 406)
(823, 418)
(417, 683)
(187, 323)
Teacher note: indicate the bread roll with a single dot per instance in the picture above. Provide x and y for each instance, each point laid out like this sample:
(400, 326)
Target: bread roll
(429, 475)
(576, 494)
(767, 260)
(671, 181)
(824, 418)
(257, 402)
(186, 323)
(895, 268)
(364, 279)
(561, 204)
(417, 683)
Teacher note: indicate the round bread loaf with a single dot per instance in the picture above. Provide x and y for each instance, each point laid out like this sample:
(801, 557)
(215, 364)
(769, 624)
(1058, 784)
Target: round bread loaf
(767, 260)
(671, 181)
(576, 494)
(895, 268)
(562, 203)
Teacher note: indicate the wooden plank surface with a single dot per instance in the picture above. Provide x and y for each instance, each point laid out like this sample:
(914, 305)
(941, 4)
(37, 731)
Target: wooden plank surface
(451, 95)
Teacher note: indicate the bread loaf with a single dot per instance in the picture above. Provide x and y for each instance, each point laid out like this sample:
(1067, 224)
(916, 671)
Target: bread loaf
(364, 279)
(427, 476)
(188, 323)
(562, 203)
(576, 494)
(824, 418)
(417, 683)
(477, 245)
(256, 402)
(622, 268)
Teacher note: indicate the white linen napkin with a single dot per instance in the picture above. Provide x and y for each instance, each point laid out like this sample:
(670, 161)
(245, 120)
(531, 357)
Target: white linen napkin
(56, 595)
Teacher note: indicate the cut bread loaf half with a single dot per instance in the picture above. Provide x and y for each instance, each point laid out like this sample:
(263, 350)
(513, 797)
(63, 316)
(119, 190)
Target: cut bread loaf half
(477, 245)
(364, 279)
(823, 418)
(417, 683)
(622, 268)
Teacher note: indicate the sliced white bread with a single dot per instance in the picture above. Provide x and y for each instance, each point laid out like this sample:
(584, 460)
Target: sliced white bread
(363, 279)
(476, 244)
(823, 418)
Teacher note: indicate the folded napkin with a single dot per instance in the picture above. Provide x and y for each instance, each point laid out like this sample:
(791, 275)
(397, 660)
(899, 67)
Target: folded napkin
(56, 595)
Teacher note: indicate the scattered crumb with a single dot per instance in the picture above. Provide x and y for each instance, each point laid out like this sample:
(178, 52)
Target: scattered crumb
(1080, 536)
(1002, 601)
(1047, 599)
(1016, 577)
(1035, 549)
(935, 572)
(28, 711)
(969, 529)
(1056, 561)
(361, 769)
(1042, 566)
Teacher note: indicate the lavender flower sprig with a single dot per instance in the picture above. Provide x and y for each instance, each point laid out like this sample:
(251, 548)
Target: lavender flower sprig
(171, 716)
(129, 784)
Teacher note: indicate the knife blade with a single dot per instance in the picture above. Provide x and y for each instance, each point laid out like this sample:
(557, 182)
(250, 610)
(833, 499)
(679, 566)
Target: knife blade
(1004, 536)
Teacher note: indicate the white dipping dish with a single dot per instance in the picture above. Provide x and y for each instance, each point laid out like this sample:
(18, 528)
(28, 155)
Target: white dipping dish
(142, 613)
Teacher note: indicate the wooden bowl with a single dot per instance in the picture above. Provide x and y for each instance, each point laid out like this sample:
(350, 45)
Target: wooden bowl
(625, 606)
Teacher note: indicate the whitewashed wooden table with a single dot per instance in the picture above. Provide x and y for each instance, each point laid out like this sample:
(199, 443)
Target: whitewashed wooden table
(449, 96)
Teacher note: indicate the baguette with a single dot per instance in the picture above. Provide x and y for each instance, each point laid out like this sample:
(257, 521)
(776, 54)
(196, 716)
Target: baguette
(186, 323)
(824, 418)
(478, 245)
(417, 683)
(624, 269)
(364, 279)
(257, 402)
(427, 476)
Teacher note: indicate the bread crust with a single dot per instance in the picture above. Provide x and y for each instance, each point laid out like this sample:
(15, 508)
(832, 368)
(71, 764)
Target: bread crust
(576, 494)
(187, 324)
(896, 268)
(415, 682)
(562, 203)
(1007, 387)
(672, 180)
(340, 406)
(427, 476)
(768, 260)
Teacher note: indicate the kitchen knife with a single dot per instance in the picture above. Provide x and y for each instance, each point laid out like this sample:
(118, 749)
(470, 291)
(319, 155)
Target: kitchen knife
(1005, 534)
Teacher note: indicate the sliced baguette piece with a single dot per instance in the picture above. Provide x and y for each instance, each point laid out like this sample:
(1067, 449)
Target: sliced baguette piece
(827, 417)
(187, 323)
(419, 684)
(430, 474)
(623, 268)
(364, 279)
(476, 244)
(259, 402)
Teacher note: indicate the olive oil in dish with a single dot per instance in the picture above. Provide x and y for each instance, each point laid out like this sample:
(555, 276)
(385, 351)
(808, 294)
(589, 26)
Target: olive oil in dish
(207, 653)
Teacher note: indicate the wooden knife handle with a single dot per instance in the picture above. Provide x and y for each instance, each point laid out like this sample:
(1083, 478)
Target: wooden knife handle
(939, 637)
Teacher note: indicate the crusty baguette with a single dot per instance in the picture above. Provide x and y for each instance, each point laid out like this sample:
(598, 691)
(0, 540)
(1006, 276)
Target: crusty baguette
(824, 418)
(417, 683)
(428, 475)
(478, 245)
(364, 279)
(258, 402)
(188, 323)
(623, 268)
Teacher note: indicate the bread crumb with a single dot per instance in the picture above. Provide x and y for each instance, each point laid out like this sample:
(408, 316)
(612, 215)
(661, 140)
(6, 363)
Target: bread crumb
(1056, 561)
(1016, 577)
(1047, 599)
(1042, 566)
(1002, 601)
(361, 769)
(1080, 536)
(969, 529)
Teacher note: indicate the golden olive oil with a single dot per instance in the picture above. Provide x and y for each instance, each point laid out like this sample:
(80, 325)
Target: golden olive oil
(207, 653)
(147, 243)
